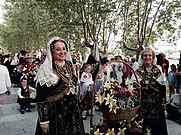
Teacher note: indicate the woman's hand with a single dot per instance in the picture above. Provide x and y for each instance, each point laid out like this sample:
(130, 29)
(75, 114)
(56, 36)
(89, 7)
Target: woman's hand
(8, 92)
(45, 127)
(164, 106)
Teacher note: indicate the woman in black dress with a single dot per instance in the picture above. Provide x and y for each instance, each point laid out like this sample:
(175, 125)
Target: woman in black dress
(57, 102)
(153, 87)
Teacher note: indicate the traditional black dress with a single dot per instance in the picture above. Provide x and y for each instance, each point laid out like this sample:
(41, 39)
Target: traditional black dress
(58, 104)
(153, 95)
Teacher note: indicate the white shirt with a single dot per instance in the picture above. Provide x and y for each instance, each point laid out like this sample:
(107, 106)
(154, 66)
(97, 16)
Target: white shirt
(135, 65)
(5, 81)
(19, 91)
(86, 78)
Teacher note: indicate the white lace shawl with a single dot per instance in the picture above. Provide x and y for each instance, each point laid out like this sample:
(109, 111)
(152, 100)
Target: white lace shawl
(45, 74)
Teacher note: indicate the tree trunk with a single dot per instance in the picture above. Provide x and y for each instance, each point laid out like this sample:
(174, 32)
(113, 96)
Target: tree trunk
(139, 50)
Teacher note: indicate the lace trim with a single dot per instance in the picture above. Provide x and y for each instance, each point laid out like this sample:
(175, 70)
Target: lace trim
(46, 76)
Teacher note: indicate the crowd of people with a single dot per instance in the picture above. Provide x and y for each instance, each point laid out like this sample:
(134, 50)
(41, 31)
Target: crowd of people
(21, 70)
(61, 86)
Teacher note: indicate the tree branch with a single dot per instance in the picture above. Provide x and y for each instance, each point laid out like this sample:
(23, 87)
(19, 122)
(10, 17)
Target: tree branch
(138, 21)
(128, 48)
(143, 20)
(154, 21)
(146, 22)
(83, 22)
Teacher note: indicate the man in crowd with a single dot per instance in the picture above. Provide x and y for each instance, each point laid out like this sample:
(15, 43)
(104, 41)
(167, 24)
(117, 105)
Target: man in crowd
(5, 83)
(28, 69)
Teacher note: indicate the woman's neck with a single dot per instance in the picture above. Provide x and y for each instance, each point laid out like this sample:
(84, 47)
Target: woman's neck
(60, 63)
(148, 66)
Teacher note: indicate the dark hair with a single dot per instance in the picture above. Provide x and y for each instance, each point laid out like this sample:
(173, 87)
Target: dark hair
(74, 60)
(91, 60)
(118, 56)
(23, 78)
(104, 60)
(112, 59)
(85, 65)
(53, 43)
(174, 67)
(23, 52)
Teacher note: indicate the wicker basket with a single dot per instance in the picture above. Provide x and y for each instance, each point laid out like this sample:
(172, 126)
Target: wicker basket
(120, 115)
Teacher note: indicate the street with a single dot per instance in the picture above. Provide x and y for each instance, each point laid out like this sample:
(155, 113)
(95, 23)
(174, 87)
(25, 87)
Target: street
(12, 122)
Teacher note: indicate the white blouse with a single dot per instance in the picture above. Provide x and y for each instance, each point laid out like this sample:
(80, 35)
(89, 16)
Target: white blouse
(5, 82)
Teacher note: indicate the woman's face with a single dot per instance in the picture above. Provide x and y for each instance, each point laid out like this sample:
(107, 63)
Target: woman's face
(148, 58)
(59, 51)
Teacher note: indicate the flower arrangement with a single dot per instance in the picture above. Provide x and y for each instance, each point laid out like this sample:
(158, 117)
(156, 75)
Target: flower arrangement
(117, 98)
(119, 105)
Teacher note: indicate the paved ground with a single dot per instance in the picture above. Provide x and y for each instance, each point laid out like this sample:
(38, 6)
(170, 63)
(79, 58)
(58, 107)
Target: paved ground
(12, 122)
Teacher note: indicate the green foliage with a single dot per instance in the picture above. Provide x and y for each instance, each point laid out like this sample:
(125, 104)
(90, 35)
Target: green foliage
(24, 26)
(29, 24)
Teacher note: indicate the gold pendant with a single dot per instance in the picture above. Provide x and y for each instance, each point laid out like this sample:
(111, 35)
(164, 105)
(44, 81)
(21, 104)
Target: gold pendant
(71, 89)
(70, 82)
(146, 82)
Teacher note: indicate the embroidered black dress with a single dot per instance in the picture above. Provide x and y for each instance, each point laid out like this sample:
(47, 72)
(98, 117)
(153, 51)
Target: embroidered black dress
(56, 105)
(153, 95)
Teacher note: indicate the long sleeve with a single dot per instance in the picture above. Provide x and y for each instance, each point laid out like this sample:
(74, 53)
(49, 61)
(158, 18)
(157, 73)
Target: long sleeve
(19, 93)
(163, 94)
(42, 108)
(7, 79)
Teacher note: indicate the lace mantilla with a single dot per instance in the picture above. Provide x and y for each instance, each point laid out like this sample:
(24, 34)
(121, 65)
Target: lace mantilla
(46, 76)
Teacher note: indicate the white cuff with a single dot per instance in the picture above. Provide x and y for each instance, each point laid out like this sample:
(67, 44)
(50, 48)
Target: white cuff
(46, 122)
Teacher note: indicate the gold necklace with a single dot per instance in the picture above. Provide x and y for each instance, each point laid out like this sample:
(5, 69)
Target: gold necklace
(62, 71)
(67, 77)
(147, 77)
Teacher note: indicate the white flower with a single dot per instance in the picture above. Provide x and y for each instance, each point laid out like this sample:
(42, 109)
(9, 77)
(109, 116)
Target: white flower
(97, 132)
(100, 98)
(113, 107)
(109, 99)
(121, 131)
(107, 85)
(111, 132)
(129, 85)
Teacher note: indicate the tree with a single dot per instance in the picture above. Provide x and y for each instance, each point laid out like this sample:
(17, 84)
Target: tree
(133, 24)
(92, 20)
(142, 18)
(25, 25)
